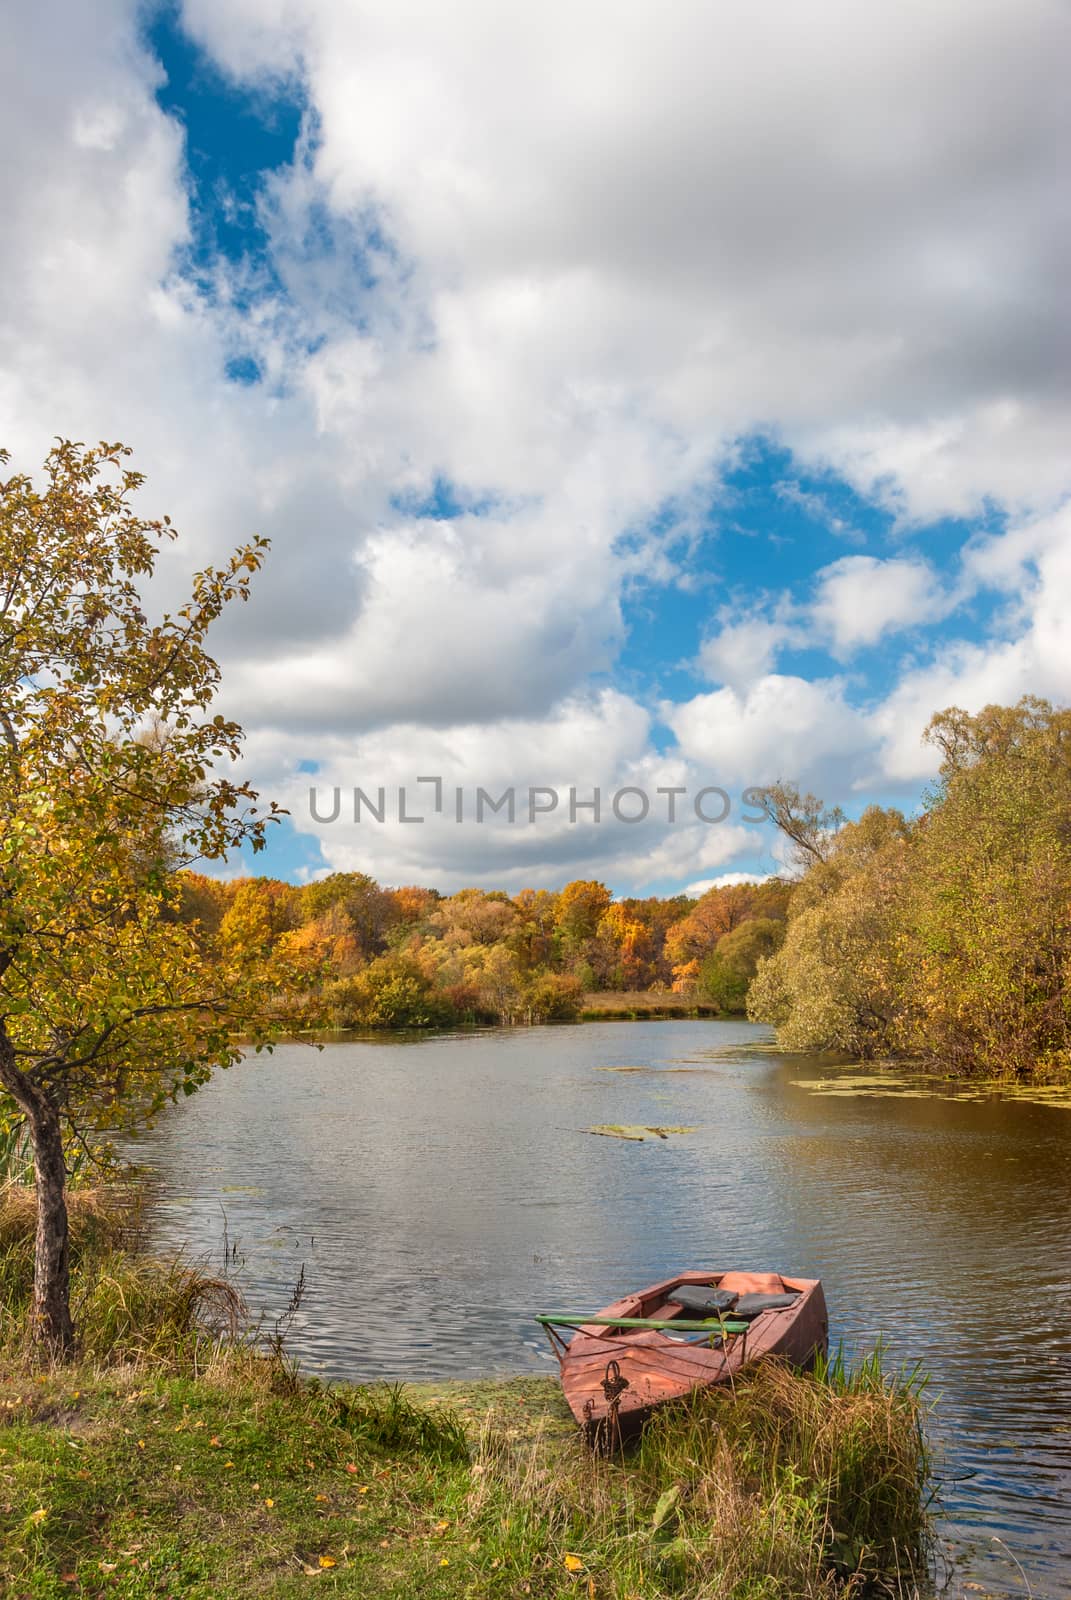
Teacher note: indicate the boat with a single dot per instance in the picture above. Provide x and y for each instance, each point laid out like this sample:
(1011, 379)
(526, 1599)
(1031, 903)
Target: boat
(686, 1333)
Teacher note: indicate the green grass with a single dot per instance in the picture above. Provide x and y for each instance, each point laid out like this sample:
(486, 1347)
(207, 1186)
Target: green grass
(177, 1460)
(244, 1481)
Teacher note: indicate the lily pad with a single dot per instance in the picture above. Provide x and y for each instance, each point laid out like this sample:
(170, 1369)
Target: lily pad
(925, 1087)
(636, 1131)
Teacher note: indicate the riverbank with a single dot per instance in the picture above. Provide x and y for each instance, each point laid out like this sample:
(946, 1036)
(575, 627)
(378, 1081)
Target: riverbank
(641, 1005)
(183, 1457)
(237, 1480)
(598, 1005)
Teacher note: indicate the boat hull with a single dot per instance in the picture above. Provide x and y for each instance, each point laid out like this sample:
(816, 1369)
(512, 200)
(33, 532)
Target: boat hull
(614, 1378)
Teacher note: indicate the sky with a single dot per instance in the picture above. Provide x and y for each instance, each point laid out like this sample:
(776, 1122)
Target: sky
(638, 398)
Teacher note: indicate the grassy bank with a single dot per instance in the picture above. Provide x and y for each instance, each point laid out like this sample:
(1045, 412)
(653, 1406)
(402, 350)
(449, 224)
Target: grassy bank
(177, 1461)
(234, 1482)
(634, 1005)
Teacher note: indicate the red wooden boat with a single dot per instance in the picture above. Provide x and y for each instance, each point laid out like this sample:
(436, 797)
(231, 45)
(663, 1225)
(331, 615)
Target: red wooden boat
(692, 1330)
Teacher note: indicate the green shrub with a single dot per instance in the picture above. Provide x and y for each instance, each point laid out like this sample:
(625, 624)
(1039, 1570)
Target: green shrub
(554, 997)
(391, 992)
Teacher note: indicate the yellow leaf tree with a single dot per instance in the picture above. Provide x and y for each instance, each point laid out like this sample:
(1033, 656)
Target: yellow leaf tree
(109, 782)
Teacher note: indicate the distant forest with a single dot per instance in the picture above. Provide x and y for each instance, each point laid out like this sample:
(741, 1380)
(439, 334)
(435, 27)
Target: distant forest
(945, 937)
(345, 952)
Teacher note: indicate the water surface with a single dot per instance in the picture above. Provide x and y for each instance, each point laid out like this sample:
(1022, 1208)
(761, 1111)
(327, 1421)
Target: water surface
(438, 1191)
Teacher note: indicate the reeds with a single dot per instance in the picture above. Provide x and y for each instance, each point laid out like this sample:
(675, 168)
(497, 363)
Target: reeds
(126, 1307)
(795, 1487)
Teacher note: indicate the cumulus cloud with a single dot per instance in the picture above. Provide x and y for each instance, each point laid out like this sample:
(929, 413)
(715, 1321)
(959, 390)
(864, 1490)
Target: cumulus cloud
(781, 726)
(745, 648)
(562, 260)
(595, 746)
(854, 224)
(860, 599)
(1033, 564)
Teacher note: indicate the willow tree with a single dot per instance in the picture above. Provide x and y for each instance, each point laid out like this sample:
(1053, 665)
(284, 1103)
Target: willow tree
(110, 761)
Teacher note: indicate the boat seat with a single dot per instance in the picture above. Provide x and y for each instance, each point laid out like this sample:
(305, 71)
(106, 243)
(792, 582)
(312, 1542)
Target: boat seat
(752, 1305)
(700, 1300)
(751, 1283)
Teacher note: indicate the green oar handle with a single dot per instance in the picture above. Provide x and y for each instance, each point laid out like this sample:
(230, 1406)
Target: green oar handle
(564, 1319)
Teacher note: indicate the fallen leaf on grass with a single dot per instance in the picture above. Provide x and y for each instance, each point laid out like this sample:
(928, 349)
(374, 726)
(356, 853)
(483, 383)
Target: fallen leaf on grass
(38, 1516)
(328, 1561)
(573, 1563)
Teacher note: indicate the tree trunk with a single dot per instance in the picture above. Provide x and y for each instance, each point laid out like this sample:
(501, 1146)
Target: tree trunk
(50, 1318)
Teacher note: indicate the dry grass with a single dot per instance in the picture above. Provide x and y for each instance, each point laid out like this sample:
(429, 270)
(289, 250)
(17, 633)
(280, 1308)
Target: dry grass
(630, 1004)
(796, 1487)
(126, 1307)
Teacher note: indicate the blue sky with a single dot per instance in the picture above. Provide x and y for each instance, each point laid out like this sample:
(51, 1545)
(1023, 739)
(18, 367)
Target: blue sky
(707, 428)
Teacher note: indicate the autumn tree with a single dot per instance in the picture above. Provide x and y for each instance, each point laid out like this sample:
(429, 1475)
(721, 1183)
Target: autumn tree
(839, 979)
(260, 911)
(623, 949)
(534, 937)
(370, 911)
(721, 912)
(725, 975)
(809, 824)
(108, 1002)
(582, 905)
(718, 912)
(989, 932)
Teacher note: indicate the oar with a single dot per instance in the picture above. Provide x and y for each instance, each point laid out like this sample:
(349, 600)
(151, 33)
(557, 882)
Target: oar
(566, 1319)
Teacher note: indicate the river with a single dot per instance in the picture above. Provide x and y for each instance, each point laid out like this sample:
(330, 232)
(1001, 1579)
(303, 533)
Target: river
(439, 1190)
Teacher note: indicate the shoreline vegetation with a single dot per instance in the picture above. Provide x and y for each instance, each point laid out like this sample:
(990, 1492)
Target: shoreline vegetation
(942, 940)
(177, 1455)
(344, 952)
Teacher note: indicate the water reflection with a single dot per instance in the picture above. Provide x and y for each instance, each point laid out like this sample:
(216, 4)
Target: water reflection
(439, 1191)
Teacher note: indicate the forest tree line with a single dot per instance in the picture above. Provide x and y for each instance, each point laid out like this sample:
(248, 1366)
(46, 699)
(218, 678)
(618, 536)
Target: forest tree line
(343, 951)
(944, 938)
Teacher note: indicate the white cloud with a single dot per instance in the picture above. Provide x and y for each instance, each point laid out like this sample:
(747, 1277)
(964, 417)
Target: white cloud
(779, 727)
(606, 243)
(726, 880)
(856, 602)
(1034, 657)
(598, 742)
(859, 599)
(744, 650)
(723, 220)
